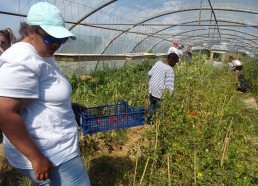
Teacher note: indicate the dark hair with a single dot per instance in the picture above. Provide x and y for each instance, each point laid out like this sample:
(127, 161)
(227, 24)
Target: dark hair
(240, 76)
(8, 34)
(173, 57)
(24, 29)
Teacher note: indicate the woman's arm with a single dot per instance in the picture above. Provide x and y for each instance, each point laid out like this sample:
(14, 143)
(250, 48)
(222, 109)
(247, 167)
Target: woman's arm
(13, 127)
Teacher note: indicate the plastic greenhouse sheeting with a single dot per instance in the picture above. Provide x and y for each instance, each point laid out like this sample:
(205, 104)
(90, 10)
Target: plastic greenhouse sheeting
(137, 26)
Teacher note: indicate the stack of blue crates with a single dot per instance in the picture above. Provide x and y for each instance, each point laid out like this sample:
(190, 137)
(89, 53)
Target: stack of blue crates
(108, 117)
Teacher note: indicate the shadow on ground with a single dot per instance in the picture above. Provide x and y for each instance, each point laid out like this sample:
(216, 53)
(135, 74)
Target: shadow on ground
(110, 171)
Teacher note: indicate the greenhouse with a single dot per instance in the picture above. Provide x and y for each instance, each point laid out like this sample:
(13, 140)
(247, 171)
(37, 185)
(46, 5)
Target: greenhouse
(205, 133)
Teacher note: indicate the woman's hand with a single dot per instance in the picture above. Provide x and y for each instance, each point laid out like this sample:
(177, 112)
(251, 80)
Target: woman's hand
(12, 125)
(42, 168)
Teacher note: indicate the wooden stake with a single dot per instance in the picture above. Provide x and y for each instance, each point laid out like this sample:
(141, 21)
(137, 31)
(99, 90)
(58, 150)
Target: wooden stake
(195, 167)
(169, 180)
(136, 165)
(225, 145)
(144, 170)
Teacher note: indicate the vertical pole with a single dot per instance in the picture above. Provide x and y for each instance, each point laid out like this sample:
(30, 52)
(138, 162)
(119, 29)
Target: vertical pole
(200, 13)
(211, 56)
(223, 57)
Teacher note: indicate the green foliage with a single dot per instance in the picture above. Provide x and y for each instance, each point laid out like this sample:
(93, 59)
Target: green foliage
(201, 133)
(201, 124)
(111, 85)
(204, 112)
(250, 72)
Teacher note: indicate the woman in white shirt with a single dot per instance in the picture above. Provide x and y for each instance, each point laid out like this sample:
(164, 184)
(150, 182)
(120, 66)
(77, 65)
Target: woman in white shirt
(36, 117)
(173, 49)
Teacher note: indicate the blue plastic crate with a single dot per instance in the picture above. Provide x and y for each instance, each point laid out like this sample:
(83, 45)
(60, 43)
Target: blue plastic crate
(108, 117)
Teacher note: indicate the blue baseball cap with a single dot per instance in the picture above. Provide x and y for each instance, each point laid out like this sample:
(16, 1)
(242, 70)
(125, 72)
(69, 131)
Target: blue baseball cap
(49, 18)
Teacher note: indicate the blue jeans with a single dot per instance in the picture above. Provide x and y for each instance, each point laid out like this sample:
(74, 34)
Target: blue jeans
(155, 103)
(70, 173)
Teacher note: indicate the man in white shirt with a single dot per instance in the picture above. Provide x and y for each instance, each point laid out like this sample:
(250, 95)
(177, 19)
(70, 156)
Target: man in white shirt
(161, 76)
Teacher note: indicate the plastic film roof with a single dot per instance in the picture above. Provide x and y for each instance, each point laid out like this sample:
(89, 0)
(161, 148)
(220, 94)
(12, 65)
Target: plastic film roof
(136, 26)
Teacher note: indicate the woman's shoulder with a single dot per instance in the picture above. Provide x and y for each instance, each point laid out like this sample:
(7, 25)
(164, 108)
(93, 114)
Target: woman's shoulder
(22, 53)
(18, 50)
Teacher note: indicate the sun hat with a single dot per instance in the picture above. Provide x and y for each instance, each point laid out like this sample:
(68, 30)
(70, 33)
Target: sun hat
(49, 18)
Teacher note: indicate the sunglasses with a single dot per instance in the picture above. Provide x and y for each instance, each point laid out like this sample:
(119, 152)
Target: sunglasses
(51, 40)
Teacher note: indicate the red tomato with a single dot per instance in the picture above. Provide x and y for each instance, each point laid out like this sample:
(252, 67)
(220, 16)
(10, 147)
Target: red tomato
(112, 119)
(194, 113)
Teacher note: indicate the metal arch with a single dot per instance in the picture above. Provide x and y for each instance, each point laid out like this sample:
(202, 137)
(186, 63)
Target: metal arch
(151, 35)
(251, 40)
(156, 44)
(236, 44)
(161, 40)
(202, 35)
(221, 29)
(214, 16)
(198, 29)
(177, 11)
(198, 38)
(74, 23)
(92, 12)
(167, 13)
(232, 39)
(182, 24)
(243, 39)
(214, 28)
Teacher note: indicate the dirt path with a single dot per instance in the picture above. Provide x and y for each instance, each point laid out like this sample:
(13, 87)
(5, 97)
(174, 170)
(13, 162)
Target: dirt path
(133, 140)
(251, 103)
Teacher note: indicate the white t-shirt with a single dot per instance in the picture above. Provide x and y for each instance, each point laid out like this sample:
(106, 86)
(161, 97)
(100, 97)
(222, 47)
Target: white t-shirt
(49, 117)
(236, 62)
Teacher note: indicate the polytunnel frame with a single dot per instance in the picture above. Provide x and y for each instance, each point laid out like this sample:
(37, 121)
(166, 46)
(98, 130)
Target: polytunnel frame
(177, 11)
(185, 24)
(92, 12)
(193, 30)
(153, 17)
(221, 37)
